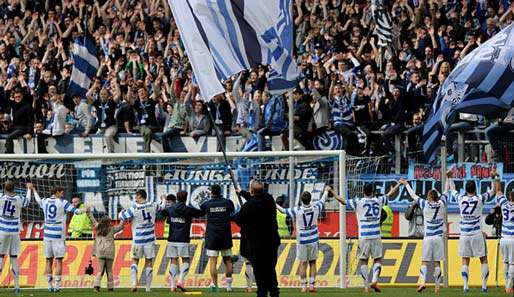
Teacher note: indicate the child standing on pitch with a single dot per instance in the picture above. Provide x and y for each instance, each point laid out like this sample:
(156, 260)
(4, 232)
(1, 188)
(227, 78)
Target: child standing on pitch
(104, 249)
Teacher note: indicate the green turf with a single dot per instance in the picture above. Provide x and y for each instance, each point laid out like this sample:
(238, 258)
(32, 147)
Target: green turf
(392, 292)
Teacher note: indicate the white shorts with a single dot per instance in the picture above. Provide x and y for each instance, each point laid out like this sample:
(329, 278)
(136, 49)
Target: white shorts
(433, 249)
(370, 248)
(146, 251)
(307, 252)
(10, 244)
(178, 249)
(507, 248)
(472, 246)
(214, 253)
(54, 248)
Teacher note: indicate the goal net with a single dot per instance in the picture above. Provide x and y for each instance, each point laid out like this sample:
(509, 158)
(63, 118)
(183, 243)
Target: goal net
(108, 184)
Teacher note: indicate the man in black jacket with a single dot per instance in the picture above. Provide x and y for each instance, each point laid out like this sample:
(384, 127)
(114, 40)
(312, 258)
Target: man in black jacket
(22, 119)
(180, 217)
(218, 234)
(259, 237)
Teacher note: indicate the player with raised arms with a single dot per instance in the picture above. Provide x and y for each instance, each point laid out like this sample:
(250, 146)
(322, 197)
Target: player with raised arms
(507, 235)
(368, 210)
(434, 210)
(307, 235)
(472, 241)
(142, 214)
(55, 210)
(10, 225)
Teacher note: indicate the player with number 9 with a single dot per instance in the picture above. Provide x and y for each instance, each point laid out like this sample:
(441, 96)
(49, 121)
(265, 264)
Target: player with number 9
(142, 214)
(307, 235)
(55, 209)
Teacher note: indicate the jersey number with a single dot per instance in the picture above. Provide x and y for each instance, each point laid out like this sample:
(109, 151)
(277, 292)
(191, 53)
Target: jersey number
(9, 207)
(506, 215)
(51, 211)
(146, 216)
(436, 212)
(372, 210)
(466, 210)
(307, 219)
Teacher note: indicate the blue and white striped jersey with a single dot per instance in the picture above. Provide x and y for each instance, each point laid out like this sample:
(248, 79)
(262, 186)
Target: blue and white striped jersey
(471, 213)
(306, 217)
(507, 217)
(143, 221)
(10, 207)
(55, 210)
(368, 210)
(433, 214)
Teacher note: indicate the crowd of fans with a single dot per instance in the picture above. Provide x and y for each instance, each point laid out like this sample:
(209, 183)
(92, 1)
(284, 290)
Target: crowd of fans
(144, 83)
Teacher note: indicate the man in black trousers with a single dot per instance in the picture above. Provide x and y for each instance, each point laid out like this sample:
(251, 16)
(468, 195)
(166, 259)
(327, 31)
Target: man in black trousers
(259, 237)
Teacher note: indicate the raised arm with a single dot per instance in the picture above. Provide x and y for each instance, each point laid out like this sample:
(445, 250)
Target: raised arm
(37, 198)
(450, 185)
(497, 187)
(409, 189)
(335, 195)
(26, 202)
(393, 190)
(92, 217)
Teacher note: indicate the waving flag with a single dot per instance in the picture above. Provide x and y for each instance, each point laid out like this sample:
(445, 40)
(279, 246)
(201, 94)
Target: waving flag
(224, 37)
(85, 65)
(482, 83)
(383, 24)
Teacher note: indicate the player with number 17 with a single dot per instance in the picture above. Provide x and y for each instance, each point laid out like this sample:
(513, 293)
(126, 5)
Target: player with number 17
(307, 235)
(142, 214)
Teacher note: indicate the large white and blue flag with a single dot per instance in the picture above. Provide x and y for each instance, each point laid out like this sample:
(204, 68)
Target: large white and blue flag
(224, 37)
(481, 83)
(85, 65)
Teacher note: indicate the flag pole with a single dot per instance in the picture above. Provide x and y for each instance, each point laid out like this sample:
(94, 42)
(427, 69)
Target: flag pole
(292, 196)
(444, 169)
(223, 150)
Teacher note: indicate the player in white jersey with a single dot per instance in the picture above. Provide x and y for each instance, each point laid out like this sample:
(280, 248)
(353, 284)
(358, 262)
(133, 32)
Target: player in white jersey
(142, 214)
(434, 210)
(472, 240)
(307, 235)
(507, 237)
(10, 225)
(55, 210)
(368, 210)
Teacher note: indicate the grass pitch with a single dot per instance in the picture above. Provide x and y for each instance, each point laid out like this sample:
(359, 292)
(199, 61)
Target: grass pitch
(387, 291)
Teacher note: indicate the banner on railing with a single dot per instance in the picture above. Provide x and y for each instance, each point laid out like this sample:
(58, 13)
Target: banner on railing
(462, 171)
(400, 265)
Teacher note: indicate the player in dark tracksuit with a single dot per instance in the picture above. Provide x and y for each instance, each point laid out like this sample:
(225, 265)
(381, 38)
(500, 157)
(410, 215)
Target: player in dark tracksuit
(179, 217)
(218, 235)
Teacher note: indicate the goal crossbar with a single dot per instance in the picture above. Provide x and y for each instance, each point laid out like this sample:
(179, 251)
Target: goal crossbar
(121, 156)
